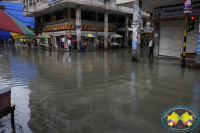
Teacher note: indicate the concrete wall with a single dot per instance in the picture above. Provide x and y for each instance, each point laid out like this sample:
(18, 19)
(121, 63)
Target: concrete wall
(42, 6)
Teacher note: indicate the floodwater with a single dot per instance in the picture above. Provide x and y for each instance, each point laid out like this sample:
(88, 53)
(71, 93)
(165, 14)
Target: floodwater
(93, 92)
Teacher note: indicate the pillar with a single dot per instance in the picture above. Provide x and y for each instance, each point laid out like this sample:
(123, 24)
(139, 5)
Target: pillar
(68, 13)
(156, 38)
(136, 32)
(54, 41)
(105, 28)
(96, 16)
(78, 26)
(126, 28)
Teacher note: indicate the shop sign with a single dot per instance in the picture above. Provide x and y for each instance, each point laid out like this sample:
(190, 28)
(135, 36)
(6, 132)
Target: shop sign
(187, 6)
(173, 13)
(120, 29)
(148, 30)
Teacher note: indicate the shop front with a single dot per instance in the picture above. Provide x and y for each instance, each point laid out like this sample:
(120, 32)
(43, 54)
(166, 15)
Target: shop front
(170, 22)
(69, 31)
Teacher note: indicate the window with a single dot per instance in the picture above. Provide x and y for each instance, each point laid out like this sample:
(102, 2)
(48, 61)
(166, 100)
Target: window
(38, 20)
(121, 19)
(58, 14)
(73, 13)
(100, 17)
(92, 16)
(47, 18)
(112, 18)
(88, 15)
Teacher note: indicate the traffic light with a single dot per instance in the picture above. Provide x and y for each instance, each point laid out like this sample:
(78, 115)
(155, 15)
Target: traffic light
(191, 23)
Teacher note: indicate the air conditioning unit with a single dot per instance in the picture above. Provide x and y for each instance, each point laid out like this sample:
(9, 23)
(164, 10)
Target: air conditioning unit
(49, 3)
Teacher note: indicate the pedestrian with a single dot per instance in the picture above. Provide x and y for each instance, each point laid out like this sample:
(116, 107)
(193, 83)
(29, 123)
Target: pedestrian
(75, 44)
(97, 42)
(69, 44)
(72, 43)
(63, 41)
(150, 47)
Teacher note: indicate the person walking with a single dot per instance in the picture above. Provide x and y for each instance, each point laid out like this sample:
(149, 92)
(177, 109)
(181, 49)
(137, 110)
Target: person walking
(150, 47)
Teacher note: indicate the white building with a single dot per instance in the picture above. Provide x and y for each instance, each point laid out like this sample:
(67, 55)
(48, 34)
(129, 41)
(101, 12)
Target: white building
(169, 21)
(100, 17)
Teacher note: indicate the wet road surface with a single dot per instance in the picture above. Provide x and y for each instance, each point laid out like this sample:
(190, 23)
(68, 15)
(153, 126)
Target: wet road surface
(93, 92)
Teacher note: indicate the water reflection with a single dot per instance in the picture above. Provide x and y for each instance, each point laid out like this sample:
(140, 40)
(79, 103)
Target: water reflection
(90, 92)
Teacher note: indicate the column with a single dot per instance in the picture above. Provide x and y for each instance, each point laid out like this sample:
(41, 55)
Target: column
(68, 13)
(126, 28)
(78, 26)
(136, 31)
(96, 16)
(54, 41)
(156, 38)
(105, 28)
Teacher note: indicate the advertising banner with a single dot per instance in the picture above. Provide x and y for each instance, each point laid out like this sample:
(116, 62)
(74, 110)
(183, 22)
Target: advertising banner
(134, 38)
(187, 6)
(198, 46)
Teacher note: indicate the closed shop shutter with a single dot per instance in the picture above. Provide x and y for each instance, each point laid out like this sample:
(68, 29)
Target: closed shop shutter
(171, 38)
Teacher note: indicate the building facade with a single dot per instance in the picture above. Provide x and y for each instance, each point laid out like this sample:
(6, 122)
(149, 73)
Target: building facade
(76, 18)
(169, 20)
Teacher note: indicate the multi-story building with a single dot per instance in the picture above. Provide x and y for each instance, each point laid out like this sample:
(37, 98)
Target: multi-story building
(78, 17)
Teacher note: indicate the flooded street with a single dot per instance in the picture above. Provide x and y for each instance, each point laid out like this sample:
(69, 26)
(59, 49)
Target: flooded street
(93, 92)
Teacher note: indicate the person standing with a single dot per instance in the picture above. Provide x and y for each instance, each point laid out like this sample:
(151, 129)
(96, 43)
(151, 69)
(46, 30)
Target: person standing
(69, 43)
(97, 43)
(72, 43)
(150, 47)
(75, 44)
(63, 41)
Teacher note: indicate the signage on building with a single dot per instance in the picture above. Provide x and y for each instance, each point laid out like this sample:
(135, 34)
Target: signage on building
(140, 14)
(198, 46)
(173, 13)
(148, 30)
(187, 6)
(120, 29)
(73, 27)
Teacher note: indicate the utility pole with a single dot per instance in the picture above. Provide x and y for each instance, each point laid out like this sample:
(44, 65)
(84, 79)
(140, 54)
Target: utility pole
(185, 39)
(136, 34)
